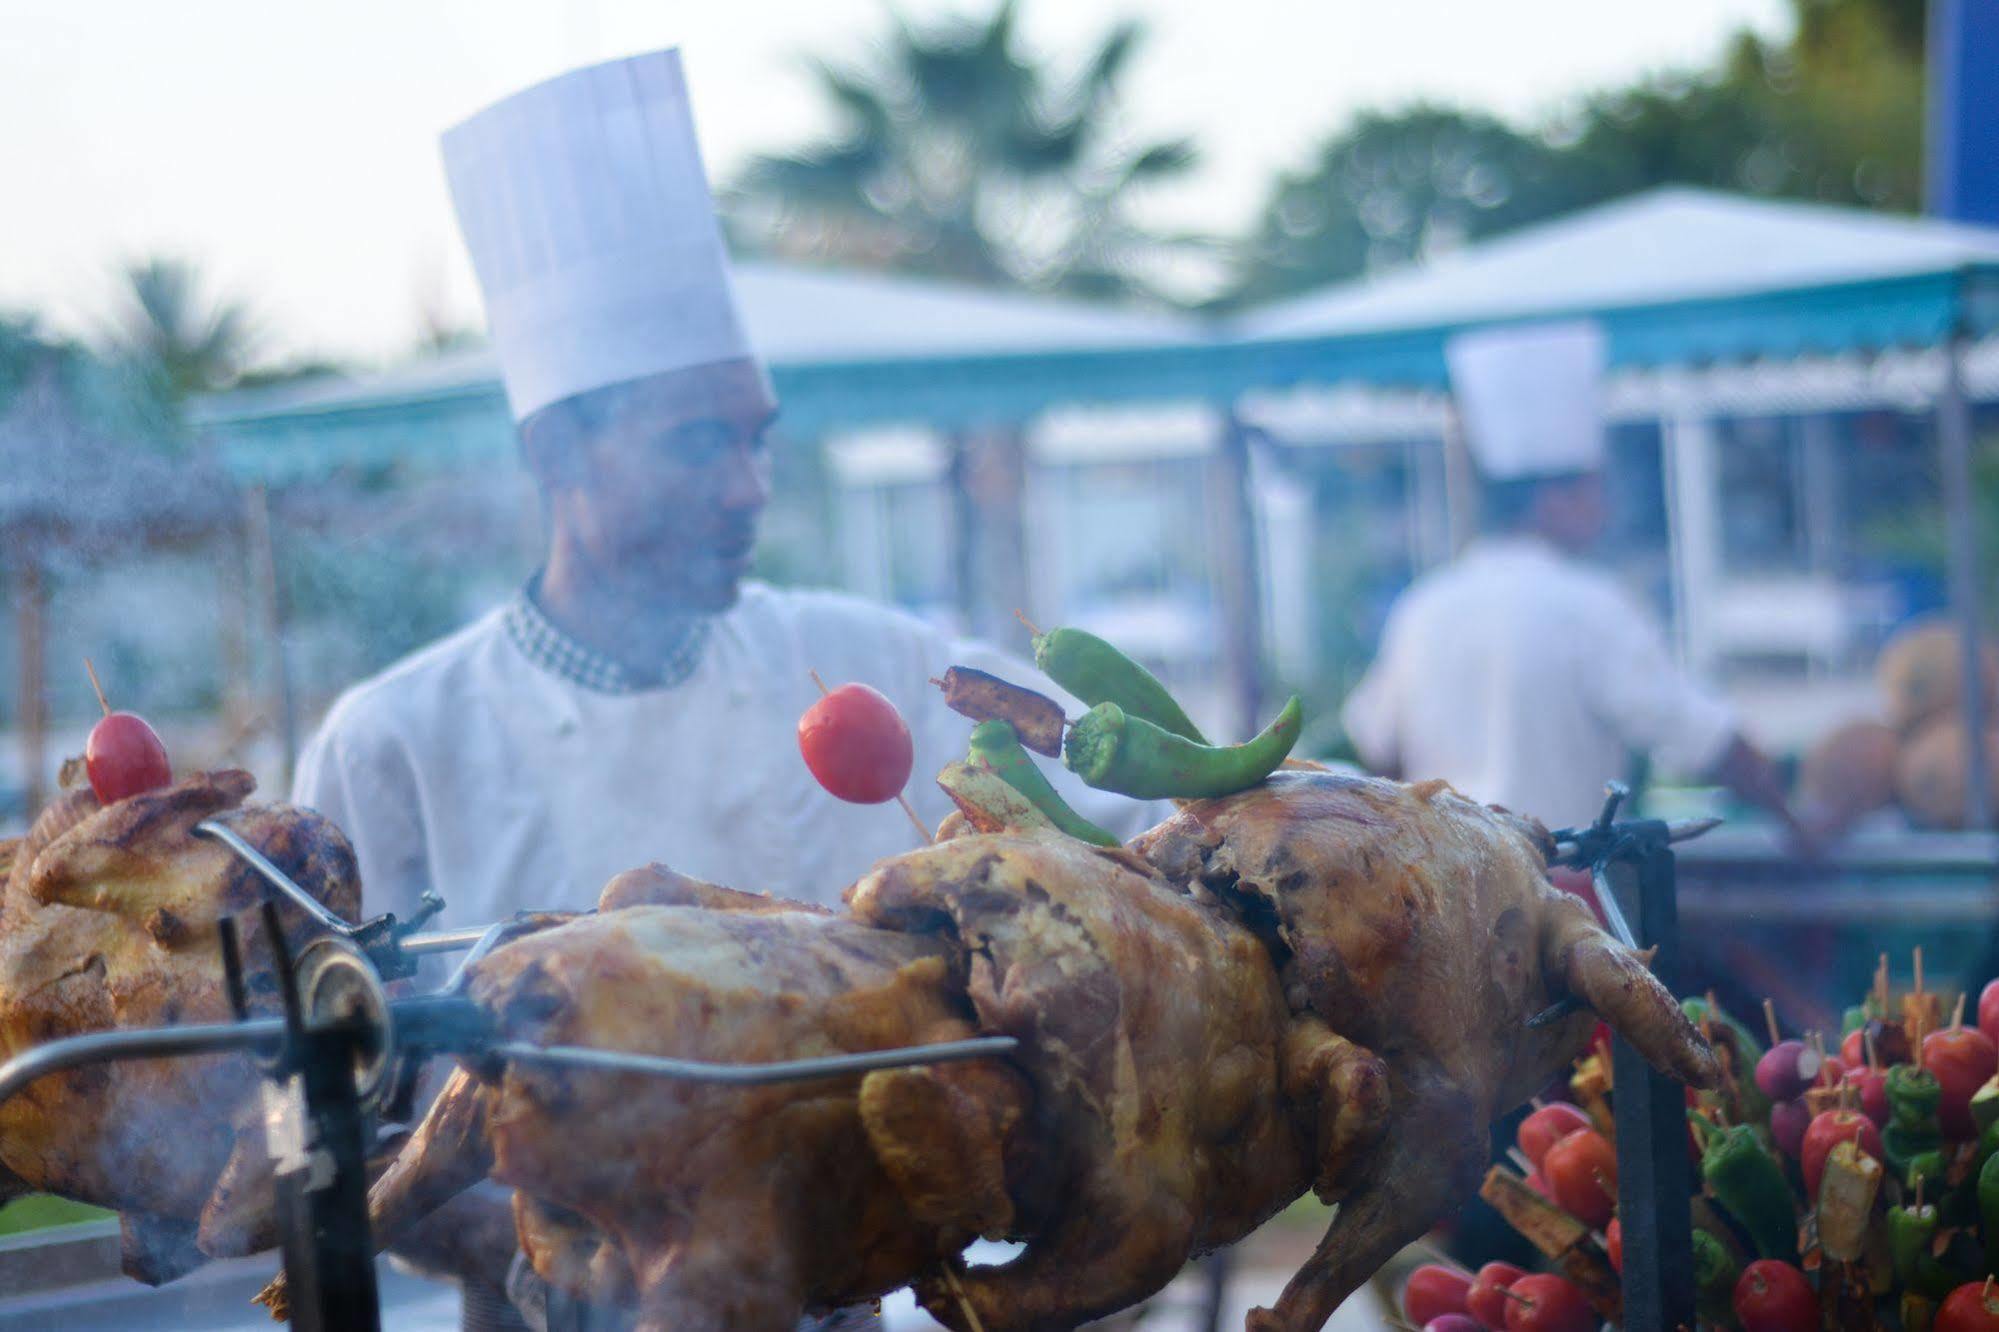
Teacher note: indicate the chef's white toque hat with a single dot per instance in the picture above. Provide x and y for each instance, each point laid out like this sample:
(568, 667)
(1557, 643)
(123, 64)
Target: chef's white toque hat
(588, 217)
(1530, 398)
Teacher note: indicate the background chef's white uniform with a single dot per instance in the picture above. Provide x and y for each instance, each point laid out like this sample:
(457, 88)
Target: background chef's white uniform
(487, 769)
(509, 767)
(1522, 675)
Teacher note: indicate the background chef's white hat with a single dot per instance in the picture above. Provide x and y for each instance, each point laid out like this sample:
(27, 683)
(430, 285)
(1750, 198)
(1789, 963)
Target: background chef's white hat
(1530, 397)
(587, 213)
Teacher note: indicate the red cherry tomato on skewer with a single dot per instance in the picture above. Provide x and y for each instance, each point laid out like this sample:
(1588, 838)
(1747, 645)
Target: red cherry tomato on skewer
(1972, 1307)
(1547, 1303)
(1434, 1290)
(1988, 1011)
(1582, 1171)
(1486, 1300)
(124, 757)
(1962, 1059)
(857, 745)
(1827, 1131)
(1548, 1126)
(1872, 1083)
(1773, 1296)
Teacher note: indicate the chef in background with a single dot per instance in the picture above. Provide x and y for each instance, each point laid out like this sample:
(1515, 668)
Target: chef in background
(638, 699)
(1522, 672)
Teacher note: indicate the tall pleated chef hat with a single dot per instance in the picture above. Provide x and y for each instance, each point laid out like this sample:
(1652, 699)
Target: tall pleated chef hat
(587, 213)
(1530, 398)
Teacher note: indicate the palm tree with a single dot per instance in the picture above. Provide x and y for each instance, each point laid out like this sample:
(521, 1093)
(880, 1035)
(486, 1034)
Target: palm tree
(186, 344)
(959, 158)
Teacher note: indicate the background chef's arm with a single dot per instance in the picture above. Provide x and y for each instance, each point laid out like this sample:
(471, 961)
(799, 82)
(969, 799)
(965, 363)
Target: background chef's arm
(1638, 688)
(363, 781)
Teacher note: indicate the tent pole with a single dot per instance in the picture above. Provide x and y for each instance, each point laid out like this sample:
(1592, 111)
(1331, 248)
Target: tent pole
(29, 626)
(964, 532)
(1966, 594)
(1241, 593)
(264, 570)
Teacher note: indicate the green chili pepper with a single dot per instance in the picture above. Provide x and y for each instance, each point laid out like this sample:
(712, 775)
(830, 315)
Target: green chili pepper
(1715, 1274)
(1746, 1180)
(1114, 751)
(1096, 672)
(996, 745)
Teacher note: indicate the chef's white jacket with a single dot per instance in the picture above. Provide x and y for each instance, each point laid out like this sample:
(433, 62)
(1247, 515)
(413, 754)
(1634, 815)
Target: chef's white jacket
(504, 784)
(1527, 678)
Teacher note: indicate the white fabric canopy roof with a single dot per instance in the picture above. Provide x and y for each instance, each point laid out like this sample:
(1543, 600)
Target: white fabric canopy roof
(1664, 245)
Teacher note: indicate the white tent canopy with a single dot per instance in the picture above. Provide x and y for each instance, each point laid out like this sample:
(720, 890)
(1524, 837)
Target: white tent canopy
(1665, 245)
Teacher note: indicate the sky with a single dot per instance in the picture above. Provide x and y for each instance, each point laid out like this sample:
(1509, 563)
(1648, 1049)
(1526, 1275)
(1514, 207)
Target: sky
(288, 147)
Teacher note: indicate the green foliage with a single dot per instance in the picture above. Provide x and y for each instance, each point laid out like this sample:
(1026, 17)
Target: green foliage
(183, 342)
(1833, 114)
(960, 158)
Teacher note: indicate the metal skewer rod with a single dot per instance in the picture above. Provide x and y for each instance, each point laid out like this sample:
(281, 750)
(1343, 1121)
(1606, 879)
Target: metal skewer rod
(103, 1047)
(274, 876)
(444, 941)
(785, 1070)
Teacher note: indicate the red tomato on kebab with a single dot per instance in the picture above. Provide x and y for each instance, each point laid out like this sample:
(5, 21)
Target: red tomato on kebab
(1972, 1307)
(123, 756)
(857, 745)
(1434, 1290)
(1962, 1059)
(1547, 1126)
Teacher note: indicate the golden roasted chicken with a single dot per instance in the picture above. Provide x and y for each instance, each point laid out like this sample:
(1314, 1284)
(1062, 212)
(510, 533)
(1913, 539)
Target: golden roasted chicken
(1420, 925)
(109, 919)
(1323, 983)
(715, 1207)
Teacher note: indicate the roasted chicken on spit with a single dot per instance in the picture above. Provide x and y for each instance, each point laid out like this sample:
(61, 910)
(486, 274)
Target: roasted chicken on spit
(109, 919)
(1323, 982)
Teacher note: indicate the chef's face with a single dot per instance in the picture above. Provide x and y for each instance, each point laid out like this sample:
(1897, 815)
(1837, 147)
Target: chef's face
(667, 481)
(1573, 513)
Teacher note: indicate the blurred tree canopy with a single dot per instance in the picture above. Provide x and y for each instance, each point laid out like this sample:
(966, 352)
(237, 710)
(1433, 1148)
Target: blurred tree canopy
(959, 157)
(1834, 113)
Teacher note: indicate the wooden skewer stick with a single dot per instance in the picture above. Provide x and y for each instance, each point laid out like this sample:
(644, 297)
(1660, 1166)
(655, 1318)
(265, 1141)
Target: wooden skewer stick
(1770, 1017)
(922, 830)
(1032, 627)
(964, 1304)
(1957, 1013)
(96, 688)
(1919, 972)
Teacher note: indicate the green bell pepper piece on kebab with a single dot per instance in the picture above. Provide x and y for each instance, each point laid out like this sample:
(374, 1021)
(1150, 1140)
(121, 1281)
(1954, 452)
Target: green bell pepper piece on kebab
(1912, 1129)
(1715, 1275)
(1750, 1185)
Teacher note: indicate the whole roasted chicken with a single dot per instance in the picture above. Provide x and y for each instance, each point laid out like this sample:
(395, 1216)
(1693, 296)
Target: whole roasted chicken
(109, 919)
(1323, 983)
(720, 1207)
